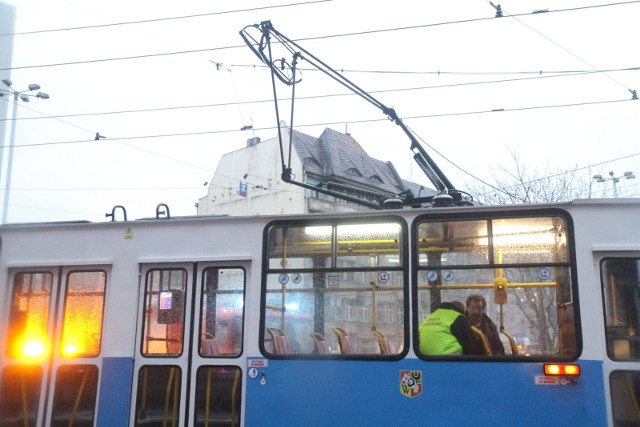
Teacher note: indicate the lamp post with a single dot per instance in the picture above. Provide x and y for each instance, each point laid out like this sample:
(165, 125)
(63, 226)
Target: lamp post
(615, 179)
(23, 95)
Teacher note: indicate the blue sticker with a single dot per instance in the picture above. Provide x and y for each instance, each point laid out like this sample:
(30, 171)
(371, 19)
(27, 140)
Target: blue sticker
(544, 273)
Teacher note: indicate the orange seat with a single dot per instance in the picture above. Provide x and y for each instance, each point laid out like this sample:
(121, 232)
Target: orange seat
(344, 340)
(280, 340)
(383, 342)
(210, 347)
(321, 345)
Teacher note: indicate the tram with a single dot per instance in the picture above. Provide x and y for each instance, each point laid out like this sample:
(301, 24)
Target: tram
(313, 319)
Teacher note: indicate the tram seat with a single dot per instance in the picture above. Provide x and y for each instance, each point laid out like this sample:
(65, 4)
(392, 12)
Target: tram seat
(483, 340)
(210, 347)
(321, 344)
(280, 341)
(383, 342)
(344, 340)
(512, 342)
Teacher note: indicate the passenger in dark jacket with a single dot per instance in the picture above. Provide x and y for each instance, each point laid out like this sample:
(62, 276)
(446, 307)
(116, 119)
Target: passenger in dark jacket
(476, 306)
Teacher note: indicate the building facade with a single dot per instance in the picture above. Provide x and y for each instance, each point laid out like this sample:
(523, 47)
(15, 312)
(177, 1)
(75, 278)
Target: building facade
(248, 181)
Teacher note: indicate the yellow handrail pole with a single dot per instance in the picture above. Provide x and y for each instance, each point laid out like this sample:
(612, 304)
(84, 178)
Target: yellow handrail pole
(633, 396)
(500, 272)
(234, 403)
(284, 286)
(282, 318)
(78, 397)
(166, 397)
(374, 320)
(144, 390)
(25, 406)
(614, 302)
(176, 399)
(206, 402)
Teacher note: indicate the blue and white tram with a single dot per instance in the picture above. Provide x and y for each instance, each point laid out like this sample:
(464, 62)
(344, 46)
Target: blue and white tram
(312, 320)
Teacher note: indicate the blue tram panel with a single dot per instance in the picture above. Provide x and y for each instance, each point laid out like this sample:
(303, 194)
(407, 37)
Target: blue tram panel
(319, 393)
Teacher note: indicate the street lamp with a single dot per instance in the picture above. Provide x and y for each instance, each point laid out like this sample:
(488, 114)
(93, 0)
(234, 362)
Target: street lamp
(615, 179)
(23, 95)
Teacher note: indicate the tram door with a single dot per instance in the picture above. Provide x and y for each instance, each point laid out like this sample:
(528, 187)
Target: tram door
(187, 369)
(53, 345)
(620, 280)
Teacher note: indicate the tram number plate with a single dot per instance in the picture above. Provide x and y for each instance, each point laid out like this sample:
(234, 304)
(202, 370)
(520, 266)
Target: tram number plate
(545, 380)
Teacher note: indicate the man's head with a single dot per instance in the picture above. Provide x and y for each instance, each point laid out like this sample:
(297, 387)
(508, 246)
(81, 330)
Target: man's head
(476, 305)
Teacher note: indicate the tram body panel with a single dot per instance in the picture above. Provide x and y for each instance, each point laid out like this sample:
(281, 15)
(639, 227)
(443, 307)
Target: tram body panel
(301, 388)
(452, 393)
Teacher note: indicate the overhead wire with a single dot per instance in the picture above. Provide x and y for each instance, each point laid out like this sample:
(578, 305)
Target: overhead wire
(306, 125)
(118, 140)
(559, 174)
(309, 97)
(170, 18)
(329, 36)
(515, 17)
(315, 38)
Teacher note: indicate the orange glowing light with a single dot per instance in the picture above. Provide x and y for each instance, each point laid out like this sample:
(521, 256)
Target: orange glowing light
(33, 348)
(70, 350)
(552, 369)
(572, 370)
(566, 370)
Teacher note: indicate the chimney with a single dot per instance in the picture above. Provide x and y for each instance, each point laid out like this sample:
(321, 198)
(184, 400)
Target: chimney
(253, 141)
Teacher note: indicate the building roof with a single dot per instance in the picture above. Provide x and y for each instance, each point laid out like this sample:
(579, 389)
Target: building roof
(338, 157)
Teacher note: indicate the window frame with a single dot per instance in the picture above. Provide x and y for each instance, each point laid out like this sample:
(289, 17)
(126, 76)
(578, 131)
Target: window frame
(403, 269)
(570, 264)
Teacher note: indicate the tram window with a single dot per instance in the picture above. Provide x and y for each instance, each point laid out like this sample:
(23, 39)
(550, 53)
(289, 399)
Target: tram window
(83, 309)
(222, 315)
(218, 396)
(74, 401)
(625, 397)
(20, 395)
(518, 266)
(621, 295)
(158, 396)
(27, 334)
(164, 312)
(297, 247)
(441, 244)
(355, 243)
(529, 240)
(332, 284)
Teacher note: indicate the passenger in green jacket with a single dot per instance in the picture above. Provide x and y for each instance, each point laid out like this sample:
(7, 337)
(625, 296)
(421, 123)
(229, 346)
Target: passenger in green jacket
(447, 331)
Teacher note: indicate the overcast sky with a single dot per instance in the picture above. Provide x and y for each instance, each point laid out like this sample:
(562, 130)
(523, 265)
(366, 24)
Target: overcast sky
(170, 84)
